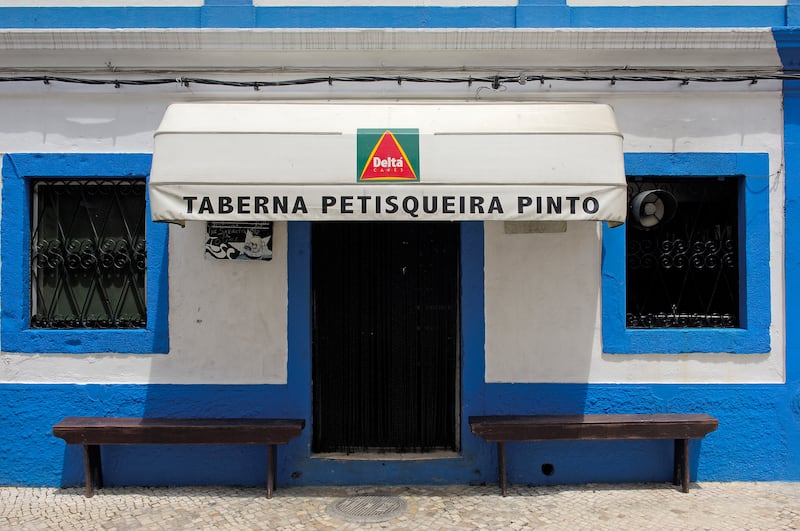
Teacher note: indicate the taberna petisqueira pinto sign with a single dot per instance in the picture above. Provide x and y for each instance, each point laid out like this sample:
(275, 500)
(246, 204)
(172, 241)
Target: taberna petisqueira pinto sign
(395, 203)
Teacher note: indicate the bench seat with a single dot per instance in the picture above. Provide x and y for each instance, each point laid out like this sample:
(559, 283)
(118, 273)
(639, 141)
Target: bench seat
(517, 428)
(91, 432)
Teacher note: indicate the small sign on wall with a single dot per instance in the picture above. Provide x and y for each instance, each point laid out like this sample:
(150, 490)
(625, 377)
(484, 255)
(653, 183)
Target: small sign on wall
(239, 241)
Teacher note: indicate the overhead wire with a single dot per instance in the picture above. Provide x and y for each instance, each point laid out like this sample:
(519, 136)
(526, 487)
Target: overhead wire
(495, 81)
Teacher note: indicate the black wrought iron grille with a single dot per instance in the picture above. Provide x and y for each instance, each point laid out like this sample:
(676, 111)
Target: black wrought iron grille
(88, 254)
(684, 272)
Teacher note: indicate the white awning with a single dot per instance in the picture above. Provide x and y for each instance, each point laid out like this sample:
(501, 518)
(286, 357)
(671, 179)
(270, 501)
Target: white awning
(371, 161)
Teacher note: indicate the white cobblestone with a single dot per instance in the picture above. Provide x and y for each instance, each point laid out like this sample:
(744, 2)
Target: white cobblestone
(715, 506)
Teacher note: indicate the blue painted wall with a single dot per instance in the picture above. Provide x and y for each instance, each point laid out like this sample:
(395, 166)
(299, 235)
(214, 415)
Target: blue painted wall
(756, 439)
(527, 14)
(788, 41)
(759, 424)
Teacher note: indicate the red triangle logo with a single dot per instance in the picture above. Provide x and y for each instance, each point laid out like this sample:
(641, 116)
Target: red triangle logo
(388, 162)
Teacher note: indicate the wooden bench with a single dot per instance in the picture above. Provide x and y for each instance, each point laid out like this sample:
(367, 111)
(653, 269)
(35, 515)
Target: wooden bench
(91, 432)
(515, 428)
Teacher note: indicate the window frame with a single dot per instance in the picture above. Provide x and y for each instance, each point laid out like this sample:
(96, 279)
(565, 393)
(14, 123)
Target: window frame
(15, 233)
(753, 334)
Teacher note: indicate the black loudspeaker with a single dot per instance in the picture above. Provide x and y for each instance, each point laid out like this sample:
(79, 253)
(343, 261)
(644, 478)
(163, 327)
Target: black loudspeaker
(652, 208)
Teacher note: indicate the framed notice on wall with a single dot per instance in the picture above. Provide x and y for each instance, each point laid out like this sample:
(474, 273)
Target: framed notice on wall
(239, 241)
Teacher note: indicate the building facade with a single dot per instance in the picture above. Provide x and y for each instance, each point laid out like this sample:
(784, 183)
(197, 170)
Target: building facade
(390, 216)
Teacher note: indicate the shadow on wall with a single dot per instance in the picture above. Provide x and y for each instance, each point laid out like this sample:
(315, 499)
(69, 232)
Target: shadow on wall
(542, 307)
(242, 465)
(724, 454)
(228, 323)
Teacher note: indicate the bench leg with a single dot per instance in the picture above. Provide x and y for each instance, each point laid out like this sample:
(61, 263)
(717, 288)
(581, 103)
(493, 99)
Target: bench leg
(680, 473)
(272, 464)
(501, 466)
(92, 468)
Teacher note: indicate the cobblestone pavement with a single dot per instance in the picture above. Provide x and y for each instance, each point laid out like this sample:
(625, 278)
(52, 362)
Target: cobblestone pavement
(763, 505)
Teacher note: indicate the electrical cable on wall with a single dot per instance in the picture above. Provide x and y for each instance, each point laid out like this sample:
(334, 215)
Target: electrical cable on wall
(495, 81)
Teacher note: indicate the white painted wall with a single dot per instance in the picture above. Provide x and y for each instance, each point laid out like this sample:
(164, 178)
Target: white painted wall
(543, 300)
(228, 320)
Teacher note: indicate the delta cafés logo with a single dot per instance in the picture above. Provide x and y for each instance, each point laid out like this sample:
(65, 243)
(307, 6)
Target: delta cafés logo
(387, 155)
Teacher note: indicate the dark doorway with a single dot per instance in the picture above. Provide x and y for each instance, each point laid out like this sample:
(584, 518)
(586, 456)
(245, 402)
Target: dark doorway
(385, 336)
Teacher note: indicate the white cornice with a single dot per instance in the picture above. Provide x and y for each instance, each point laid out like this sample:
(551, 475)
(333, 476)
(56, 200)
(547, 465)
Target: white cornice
(752, 39)
(390, 48)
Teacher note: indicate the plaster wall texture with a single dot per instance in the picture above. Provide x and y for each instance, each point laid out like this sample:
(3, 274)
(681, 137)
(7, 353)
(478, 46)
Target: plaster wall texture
(228, 321)
(542, 290)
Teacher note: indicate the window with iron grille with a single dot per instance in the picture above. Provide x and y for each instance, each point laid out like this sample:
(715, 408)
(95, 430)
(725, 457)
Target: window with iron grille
(682, 253)
(689, 272)
(88, 253)
(78, 274)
